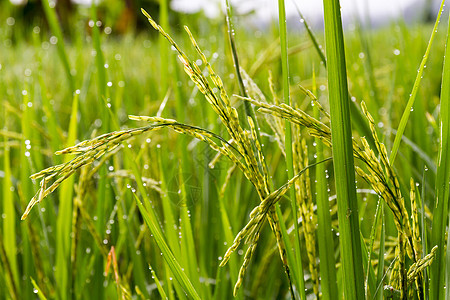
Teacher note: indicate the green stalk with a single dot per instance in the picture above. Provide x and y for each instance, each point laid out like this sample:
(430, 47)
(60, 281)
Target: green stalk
(26, 161)
(168, 256)
(104, 193)
(324, 230)
(187, 244)
(64, 219)
(440, 212)
(378, 294)
(447, 271)
(39, 293)
(231, 33)
(312, 37)
(161, 291)
(131, 164)
(228, 234)
(424, 235)
(288, 145)
(341, 137)
(9, 218)
(170, 225)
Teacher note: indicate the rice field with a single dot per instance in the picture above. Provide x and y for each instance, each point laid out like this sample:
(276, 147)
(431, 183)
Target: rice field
(209, 159)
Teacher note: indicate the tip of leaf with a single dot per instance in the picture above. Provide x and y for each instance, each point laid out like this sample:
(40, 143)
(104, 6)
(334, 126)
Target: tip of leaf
(235, 290)
(145, 13)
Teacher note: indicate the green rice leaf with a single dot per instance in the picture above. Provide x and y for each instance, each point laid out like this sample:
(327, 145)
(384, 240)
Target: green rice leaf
(37, 290)
(341, 135)
(412, 96)
(288, 146)
(324, 230)
(440, 212)
(167, 254)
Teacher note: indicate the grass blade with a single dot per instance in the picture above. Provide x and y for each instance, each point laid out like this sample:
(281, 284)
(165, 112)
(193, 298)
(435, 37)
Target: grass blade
(288, 144)
(412, 96)
(161, 291)
(447, 271)
(312, 37)
(370, 250)
(370, 274)
(64, 219)
(104, 193)
(9, 226)
(168, 256)
(187, 244)
(424, 234)
(37, 290)
(378, 294)
(9, 217)
(324, 230)
(350, 244)
(440, 212)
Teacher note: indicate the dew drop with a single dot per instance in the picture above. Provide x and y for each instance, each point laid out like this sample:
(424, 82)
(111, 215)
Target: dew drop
(10, 21)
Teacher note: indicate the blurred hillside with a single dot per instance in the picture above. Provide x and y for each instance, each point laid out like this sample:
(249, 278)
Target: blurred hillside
(121, 17)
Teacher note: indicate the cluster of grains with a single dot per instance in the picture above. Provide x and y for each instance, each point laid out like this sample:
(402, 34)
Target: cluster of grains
(275, 124)
(246, 153)
(315, 127)
(300, 158)
(380, 175)
(90, 150)
(243, 149)
(149, 182)
(87, 152)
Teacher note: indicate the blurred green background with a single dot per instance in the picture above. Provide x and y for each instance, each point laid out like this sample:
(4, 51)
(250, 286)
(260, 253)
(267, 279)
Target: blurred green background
(70, 72)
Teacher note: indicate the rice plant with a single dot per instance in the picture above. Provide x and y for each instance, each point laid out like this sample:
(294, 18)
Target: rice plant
(155, 209)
